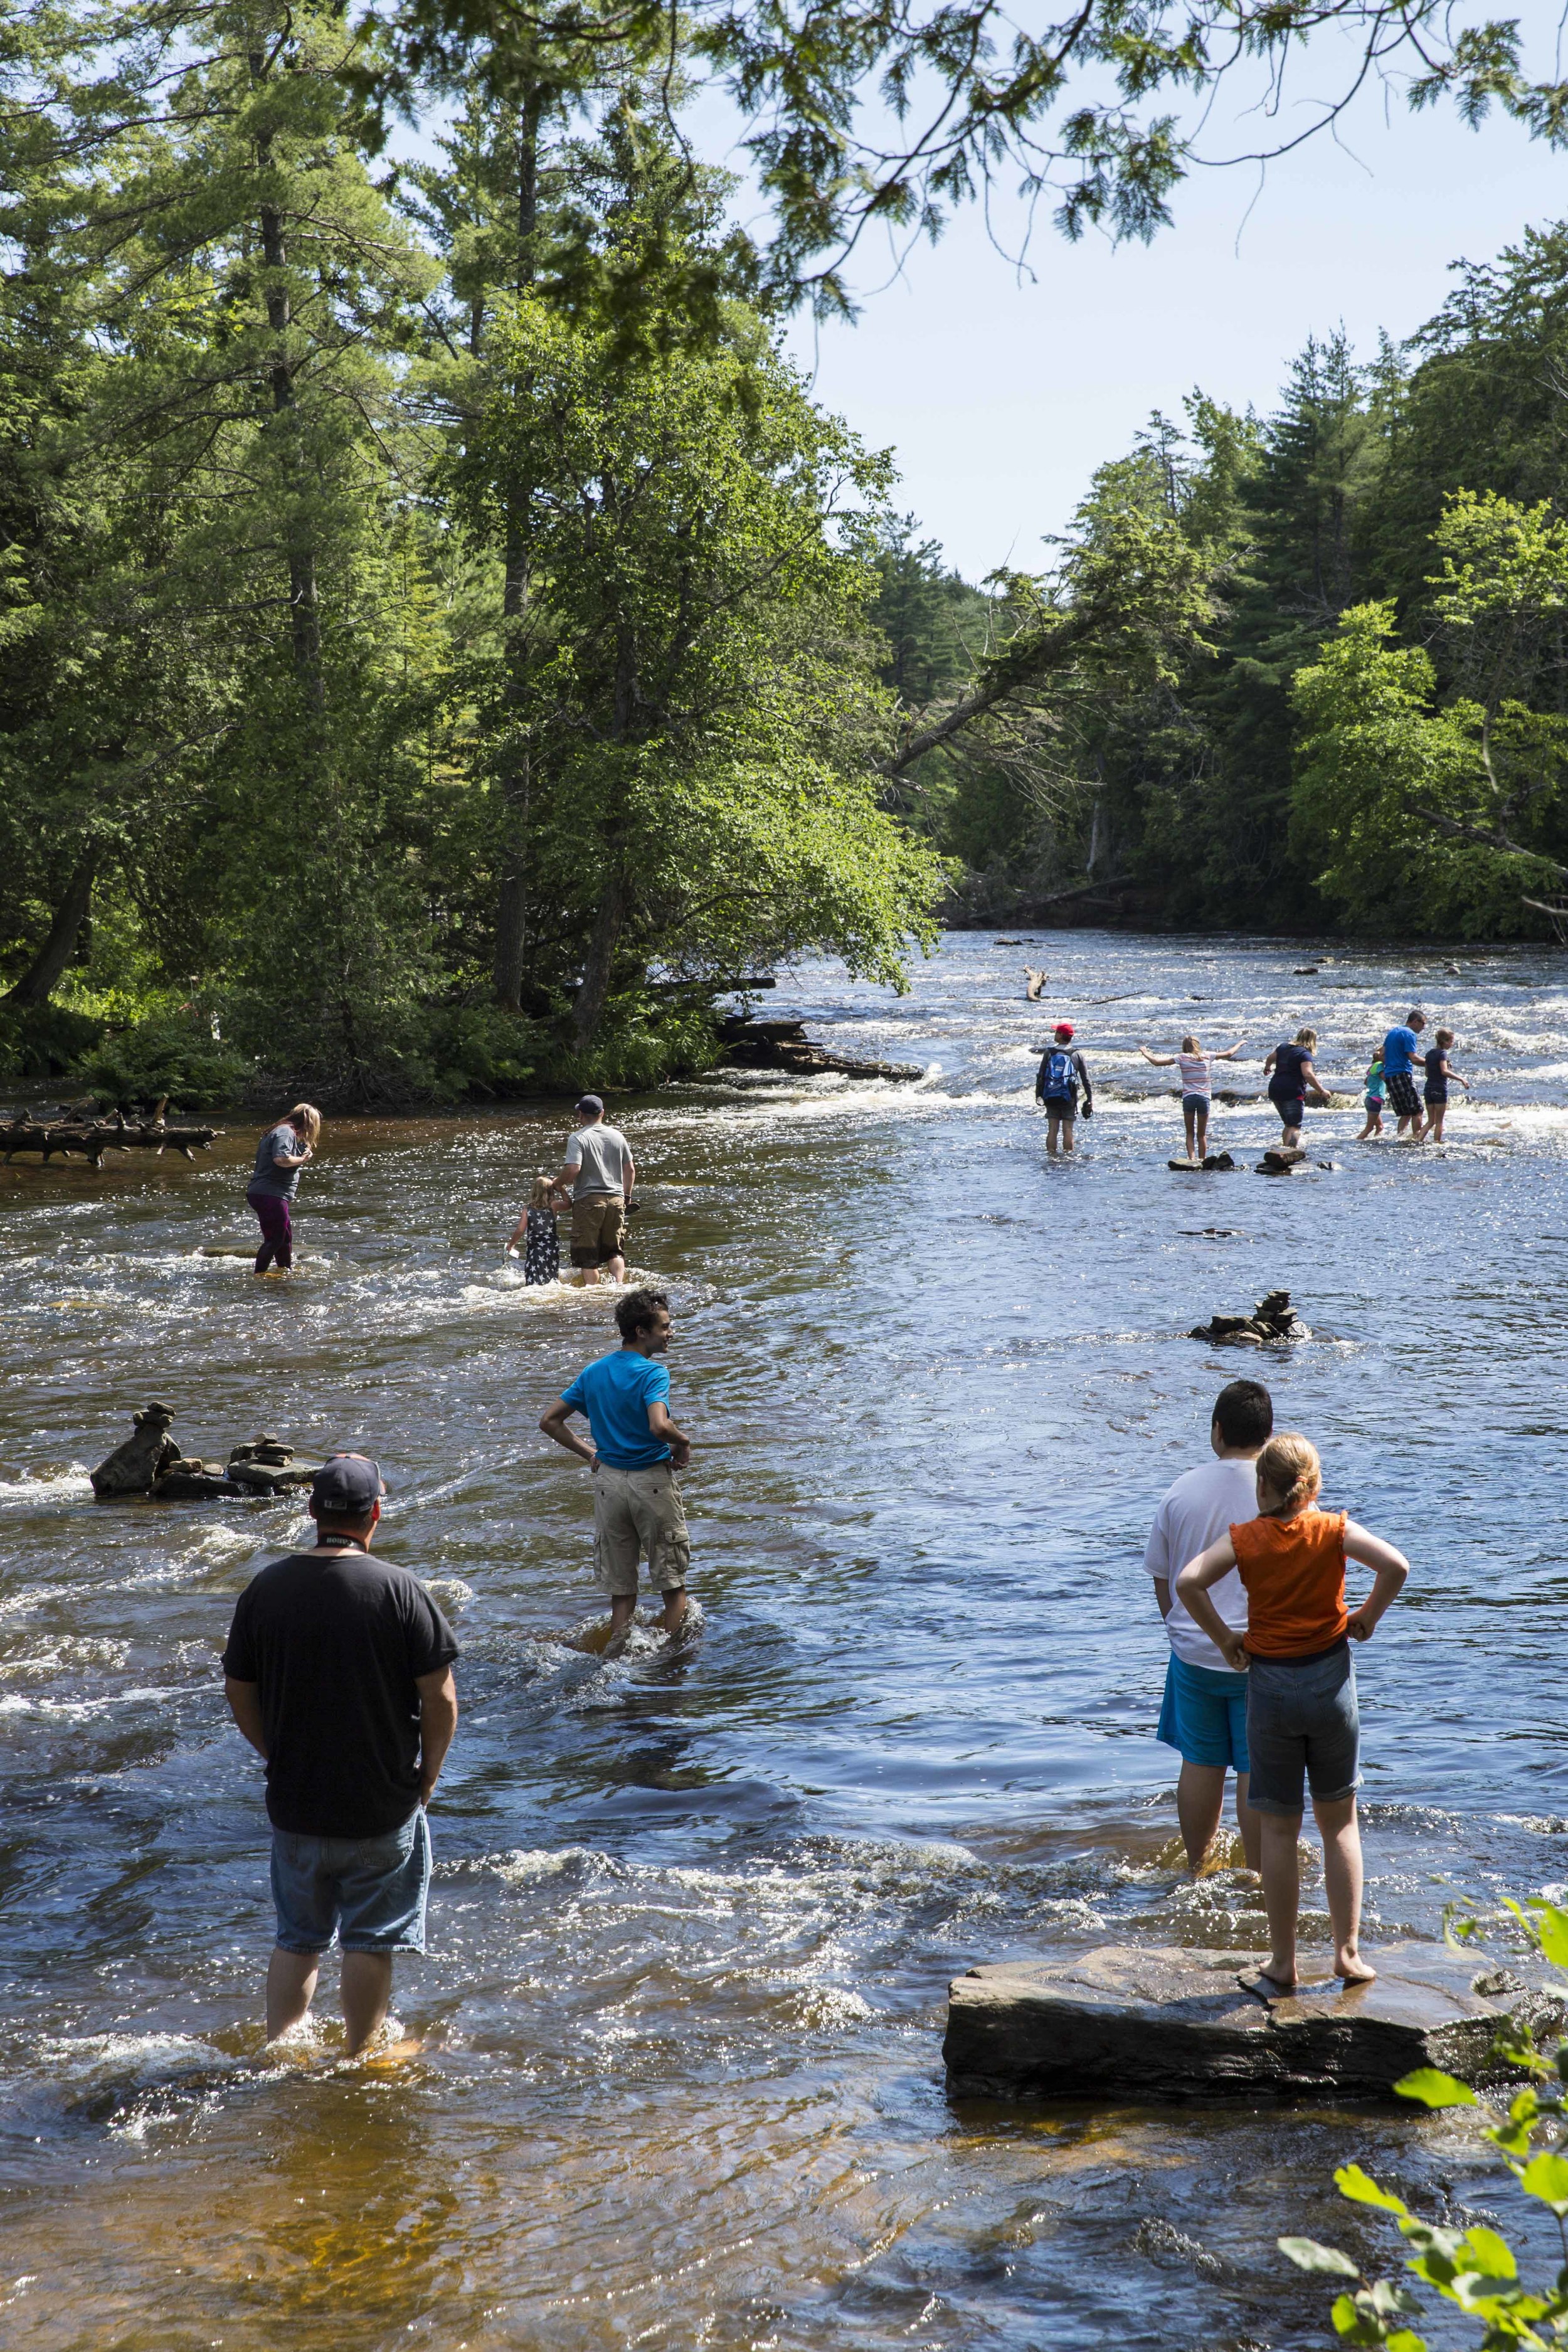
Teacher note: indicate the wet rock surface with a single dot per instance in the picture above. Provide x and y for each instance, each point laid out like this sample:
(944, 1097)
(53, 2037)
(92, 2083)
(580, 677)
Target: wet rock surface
(785, 1046)
(151, 1464)
(1175, 2026)
(1272, 1323)
(131, 1468)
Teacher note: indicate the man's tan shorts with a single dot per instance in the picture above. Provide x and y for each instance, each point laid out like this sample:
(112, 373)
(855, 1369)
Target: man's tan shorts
(638, 1511)
(599, 1228)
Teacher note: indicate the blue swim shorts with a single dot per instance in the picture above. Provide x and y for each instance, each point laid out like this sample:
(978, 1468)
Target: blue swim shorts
(1204, 1714)
(371, 1891)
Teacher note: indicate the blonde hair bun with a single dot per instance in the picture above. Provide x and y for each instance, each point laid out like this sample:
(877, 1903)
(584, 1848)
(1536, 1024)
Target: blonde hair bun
(1289, 1467)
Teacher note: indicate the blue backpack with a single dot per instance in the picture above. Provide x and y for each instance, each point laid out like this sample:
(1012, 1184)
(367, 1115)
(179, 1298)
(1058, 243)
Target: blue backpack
(1061, 1076)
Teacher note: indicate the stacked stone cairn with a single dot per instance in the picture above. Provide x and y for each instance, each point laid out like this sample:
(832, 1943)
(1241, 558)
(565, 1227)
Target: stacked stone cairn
(1272, 1323)
(151, 1464)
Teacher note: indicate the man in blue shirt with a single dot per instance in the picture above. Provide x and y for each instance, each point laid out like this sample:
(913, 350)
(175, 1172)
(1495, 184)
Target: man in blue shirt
(1399, 1051)
(636, 1452)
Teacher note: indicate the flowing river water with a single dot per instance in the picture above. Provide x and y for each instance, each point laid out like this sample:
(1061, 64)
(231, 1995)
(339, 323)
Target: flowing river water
(695, 1911)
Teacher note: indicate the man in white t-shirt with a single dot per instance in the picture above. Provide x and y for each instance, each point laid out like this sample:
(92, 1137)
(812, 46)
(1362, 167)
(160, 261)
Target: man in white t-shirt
(1203, 1713)
(598, 1173)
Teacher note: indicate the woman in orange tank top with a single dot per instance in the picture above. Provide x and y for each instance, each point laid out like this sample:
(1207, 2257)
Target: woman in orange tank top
(1302, 1721)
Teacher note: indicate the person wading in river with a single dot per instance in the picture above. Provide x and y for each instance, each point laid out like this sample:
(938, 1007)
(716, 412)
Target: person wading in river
(279, 1156)
(1400, 1048)
(598, 1173)
(1293, 1079)
(636, 1452)
(1198, 1087)
(1062, 1070)
(1204, 1712)
(339, 1673)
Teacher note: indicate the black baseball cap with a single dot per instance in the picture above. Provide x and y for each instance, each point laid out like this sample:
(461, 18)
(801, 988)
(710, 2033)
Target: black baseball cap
(591, 1102)
(347, 1483)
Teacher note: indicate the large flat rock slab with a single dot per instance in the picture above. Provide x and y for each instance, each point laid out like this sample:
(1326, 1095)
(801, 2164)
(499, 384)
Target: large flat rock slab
(1174, 2026)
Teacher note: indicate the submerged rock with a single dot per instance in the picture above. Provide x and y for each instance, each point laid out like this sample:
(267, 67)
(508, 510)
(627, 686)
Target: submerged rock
(149, 1451)
(1272, 1323)
(1176, 2026)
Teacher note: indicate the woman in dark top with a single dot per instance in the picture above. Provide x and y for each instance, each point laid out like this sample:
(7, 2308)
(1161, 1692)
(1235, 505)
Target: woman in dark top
(279, 1156)
(1293, 1080)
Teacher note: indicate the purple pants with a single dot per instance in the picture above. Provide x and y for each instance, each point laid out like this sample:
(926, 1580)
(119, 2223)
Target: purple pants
(276, 1230)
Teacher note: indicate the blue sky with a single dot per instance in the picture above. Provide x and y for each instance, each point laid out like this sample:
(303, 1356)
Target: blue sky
(999, 396)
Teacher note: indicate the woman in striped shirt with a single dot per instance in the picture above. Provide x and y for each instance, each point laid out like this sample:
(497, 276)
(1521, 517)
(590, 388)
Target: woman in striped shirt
(1198, 1087)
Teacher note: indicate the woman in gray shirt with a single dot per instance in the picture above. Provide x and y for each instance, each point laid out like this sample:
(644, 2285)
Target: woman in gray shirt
(279, 1156)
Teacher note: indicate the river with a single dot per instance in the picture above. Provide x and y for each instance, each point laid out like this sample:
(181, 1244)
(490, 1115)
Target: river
(695, 1912)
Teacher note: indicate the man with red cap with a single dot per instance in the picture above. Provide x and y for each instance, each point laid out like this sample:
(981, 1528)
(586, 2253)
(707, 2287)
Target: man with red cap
(1061, 1073)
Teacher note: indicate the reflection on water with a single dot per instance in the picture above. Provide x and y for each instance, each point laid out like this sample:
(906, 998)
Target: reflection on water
(696, 1909)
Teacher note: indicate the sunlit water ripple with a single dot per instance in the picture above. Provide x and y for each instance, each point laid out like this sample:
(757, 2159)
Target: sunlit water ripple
(695, 1914)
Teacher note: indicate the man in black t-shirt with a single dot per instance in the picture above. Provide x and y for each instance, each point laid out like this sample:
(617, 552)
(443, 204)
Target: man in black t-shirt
(339, 1673)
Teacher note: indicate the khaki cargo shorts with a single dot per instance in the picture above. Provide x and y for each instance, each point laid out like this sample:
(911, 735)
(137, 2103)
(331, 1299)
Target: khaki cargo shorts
(599, 1228)
(638, 1511)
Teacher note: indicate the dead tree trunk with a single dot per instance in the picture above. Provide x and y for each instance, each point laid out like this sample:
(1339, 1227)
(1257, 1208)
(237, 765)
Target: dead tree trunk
(44, 974)
(516, 771)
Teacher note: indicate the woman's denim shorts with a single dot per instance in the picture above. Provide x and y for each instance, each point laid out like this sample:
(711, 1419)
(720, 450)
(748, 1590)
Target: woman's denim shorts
(371, 1891)
(1302, 1727)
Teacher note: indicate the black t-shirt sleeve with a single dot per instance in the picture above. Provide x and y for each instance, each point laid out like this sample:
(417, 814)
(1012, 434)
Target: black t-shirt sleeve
(239, 1657)
(431, 1642)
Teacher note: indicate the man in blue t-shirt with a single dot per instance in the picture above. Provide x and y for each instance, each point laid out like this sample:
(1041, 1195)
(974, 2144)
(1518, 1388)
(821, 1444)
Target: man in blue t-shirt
(1399, 1051)
(636, 1452)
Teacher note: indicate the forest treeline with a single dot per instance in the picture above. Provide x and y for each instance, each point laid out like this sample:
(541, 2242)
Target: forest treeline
(446, 647)
(1367, 724)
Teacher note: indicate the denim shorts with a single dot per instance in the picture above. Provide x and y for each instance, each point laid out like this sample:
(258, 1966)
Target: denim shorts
(1204, 1714)
(1302, 1726)
(371, 1891)
(1197, 1103)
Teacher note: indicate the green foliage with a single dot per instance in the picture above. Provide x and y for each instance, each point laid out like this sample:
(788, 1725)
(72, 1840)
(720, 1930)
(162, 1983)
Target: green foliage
(1475, 2269)
(175, 1057)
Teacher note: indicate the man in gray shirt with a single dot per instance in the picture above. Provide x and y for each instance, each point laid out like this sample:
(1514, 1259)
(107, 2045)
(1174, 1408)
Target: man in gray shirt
(599, 1174)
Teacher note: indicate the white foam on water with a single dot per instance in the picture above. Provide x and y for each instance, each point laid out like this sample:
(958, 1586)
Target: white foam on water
(530, 1863)
(152, 2056)
(450, 1590)
(48, 1486)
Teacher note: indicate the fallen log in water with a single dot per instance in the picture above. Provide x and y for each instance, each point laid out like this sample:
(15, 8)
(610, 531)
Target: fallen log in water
(785, 1046)
(91, 1138)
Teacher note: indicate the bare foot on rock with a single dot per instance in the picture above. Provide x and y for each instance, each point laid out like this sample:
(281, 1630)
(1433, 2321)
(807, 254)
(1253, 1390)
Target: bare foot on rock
(1271, 1982)
(1350, 1965)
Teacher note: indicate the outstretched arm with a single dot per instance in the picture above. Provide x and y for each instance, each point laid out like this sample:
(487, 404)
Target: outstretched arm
(1161, 1061)
(1390, 1569)
(1231, 1052)
(1192, 1592)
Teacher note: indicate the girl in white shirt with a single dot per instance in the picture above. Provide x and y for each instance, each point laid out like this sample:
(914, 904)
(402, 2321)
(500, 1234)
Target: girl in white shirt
(1198, 1087)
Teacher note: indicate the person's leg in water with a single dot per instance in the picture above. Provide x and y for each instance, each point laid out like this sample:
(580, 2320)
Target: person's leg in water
(1052, 1127)
(1436, 1113)
(276, 1232)
(1374, 1122)
(1189, 1130)
(1069, 1115)
(1289, 1110)
(1200, 1804)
